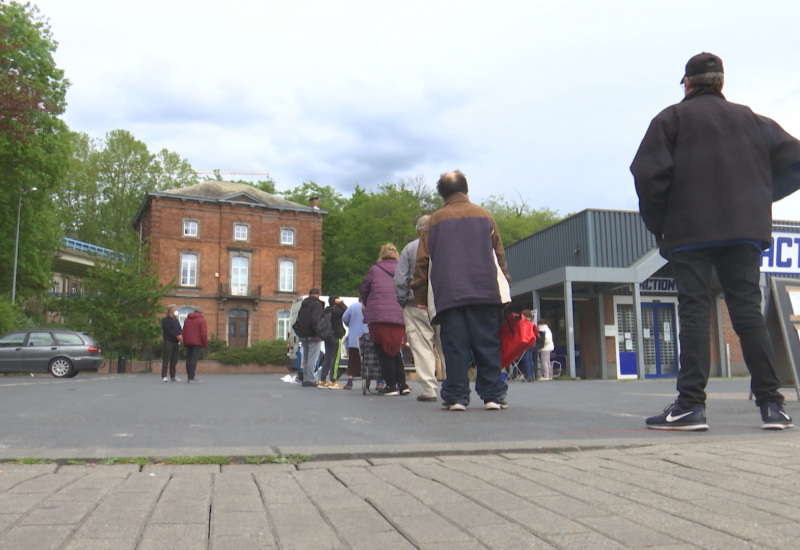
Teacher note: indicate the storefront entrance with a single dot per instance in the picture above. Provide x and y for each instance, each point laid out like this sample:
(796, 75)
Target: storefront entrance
(659, 340)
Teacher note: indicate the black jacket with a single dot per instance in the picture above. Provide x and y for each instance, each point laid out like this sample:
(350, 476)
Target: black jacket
(170, 328)
(337, 311)
(307, 317)
(708, 170)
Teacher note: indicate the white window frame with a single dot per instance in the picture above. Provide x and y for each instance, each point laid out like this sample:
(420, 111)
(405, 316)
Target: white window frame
(286, 275)
(237, 227)
(240, 275)
(287, 236)
(190, 268)
(282, 324)
(188, 225)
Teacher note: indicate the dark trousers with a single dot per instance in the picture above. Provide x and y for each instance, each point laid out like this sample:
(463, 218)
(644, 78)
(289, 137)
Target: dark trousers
(394, 374)
(353, 362)
(192, 356)
(329, 361)
(169, 359)
(737, 268)
(471, 332)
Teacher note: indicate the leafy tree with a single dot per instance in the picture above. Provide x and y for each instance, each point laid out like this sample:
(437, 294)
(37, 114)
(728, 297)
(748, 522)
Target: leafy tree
(107, 181)
(122, 301)
(353, 237)
(516, 220)
(34, 145)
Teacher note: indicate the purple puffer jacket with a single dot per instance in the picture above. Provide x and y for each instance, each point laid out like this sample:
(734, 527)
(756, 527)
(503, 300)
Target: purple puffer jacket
(378, 295)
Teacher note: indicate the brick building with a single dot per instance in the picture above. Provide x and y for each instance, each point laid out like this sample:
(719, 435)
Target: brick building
(238, 252)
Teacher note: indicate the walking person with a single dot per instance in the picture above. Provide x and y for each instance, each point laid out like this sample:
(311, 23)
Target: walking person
(461, 263)
(306, 329)
(353, 319)
(547, 350)
(385, 319)
(330, 362)
(195, 338)
(706, 173)
(171, 334)
(419, 331)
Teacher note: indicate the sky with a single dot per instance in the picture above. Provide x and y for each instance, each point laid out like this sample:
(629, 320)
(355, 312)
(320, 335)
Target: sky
(538, 102)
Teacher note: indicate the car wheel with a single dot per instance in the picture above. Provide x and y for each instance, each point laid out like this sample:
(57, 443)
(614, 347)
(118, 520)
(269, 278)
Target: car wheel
(60, 367)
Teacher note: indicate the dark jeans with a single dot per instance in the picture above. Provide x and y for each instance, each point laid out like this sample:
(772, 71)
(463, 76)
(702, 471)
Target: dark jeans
(328, 362)
(392, 370)
(471, 332)
(192, 356)
(169, 359)
(738, 270)
(529, 363)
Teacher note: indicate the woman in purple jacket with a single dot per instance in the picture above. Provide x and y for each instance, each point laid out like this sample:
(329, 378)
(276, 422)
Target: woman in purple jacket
(385, 319)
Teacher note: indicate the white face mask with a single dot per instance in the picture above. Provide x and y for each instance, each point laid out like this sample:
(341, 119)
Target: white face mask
(175, 313)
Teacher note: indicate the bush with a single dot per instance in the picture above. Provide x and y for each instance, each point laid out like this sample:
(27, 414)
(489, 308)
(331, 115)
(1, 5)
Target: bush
(265, 352)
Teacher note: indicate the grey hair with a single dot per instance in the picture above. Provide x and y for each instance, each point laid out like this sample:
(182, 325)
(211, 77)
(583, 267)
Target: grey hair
(422, 223)
(171, 307)
(707, 80)
(198, 309)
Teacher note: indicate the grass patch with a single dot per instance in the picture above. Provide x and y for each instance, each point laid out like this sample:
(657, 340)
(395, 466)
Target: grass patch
(140, 460)
(32, 461)
(275, 459)
(184, 460)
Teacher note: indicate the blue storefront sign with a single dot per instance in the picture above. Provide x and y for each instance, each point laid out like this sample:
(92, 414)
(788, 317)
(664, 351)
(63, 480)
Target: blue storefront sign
(783, 256)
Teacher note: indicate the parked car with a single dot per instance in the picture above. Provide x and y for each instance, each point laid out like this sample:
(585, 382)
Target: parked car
(62, 353)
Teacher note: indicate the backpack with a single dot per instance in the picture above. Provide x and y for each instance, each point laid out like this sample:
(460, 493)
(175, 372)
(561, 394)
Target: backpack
(324, 326)
(540, 339)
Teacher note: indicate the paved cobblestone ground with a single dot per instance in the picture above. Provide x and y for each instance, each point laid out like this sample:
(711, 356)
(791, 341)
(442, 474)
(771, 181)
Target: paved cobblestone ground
(672, 495)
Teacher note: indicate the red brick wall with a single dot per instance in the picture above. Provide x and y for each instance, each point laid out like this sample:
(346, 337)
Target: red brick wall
(162, 223)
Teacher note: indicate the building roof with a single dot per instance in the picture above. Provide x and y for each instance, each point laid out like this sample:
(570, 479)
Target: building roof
(226, 191)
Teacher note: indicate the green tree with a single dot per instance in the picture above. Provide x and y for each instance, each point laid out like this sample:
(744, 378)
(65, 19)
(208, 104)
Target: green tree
(34, 145)
(122, 301)
(516, 220)
(353, 236)
(107, 181)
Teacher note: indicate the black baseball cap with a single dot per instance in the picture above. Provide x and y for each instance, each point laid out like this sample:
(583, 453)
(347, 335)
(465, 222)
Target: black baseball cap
(703, 63)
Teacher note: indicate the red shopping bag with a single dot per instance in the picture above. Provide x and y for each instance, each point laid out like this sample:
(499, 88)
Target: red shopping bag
(516, 335)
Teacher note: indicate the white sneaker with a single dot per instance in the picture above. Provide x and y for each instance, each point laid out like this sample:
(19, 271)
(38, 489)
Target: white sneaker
(165, 379)
(457, 407)
(176, 379)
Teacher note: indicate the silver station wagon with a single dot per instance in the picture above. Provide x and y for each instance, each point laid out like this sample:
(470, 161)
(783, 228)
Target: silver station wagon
(62, 353)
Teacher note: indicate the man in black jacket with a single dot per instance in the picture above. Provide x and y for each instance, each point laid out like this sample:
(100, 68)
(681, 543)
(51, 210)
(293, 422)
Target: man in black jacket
(171, 333)
(306, 329)
(707, 172)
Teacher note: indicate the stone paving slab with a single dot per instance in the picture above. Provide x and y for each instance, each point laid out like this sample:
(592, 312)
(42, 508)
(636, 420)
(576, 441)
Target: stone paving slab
(716, 494)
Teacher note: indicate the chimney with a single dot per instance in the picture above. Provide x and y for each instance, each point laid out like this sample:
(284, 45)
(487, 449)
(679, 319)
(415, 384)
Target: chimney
(313, 202)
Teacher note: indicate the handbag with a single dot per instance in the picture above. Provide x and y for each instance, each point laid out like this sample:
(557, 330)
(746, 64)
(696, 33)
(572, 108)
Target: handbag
(517, 334)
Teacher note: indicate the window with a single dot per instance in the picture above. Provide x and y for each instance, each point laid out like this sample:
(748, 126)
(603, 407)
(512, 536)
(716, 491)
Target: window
(240, 232)
(183, 313)
(283, 325)
(68, 339)
(40, 339)
(190, 228)
(239, 271)
(286, 282)
(188, 269)
(287, 236)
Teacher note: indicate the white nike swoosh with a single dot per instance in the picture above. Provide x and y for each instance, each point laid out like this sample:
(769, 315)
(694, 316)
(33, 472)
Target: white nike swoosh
(671, 418)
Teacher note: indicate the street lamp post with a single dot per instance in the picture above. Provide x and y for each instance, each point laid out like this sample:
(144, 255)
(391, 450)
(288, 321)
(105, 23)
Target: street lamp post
(16, 245)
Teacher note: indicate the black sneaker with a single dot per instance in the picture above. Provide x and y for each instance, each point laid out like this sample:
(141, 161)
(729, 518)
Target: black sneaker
(309, 384)
(404, 389)
(676, 418)
(773, 417)
(389, 390)
(495, 404)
